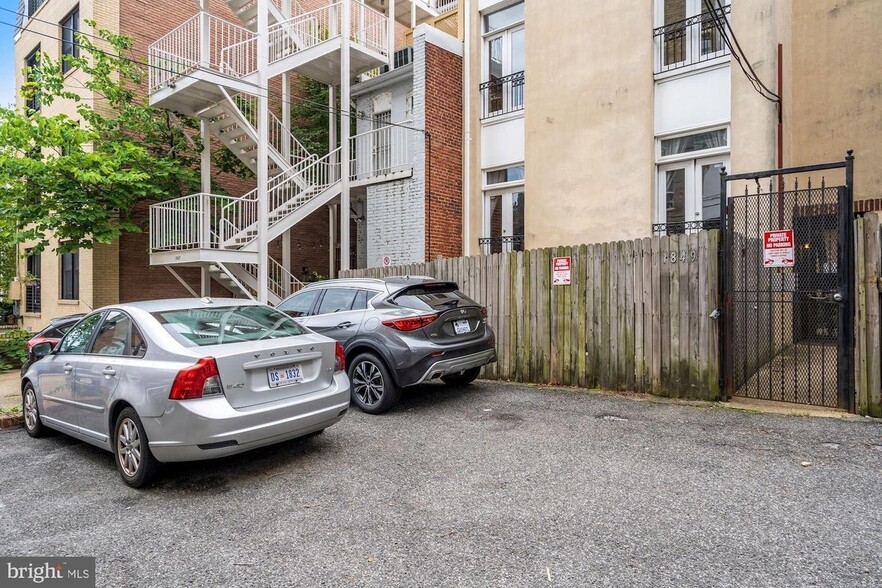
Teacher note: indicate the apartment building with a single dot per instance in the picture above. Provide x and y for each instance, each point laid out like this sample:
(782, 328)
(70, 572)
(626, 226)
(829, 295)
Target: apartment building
(595, 121)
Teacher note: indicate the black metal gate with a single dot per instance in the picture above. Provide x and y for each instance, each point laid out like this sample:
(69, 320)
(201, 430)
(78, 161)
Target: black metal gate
(788, 312)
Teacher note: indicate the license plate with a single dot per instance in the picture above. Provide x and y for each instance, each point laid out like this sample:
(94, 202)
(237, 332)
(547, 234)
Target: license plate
(284, 376)
(461, 327)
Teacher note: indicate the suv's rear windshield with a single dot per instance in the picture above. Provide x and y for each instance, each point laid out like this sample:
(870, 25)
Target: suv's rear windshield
(436, 297)
(231, 324)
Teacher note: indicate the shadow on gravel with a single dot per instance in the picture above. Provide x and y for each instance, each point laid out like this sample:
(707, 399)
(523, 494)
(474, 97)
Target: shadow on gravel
(433, 395)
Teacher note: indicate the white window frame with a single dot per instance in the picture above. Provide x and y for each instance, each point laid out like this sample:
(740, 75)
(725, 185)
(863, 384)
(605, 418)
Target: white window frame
(505, 33)
(693, 210)
(693, 8)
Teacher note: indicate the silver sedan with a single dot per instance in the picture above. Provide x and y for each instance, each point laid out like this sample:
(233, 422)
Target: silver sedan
(180, 380)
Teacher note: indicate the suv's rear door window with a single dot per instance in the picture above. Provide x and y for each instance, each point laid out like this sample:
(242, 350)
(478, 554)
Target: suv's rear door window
(232, 324)
(434, 297)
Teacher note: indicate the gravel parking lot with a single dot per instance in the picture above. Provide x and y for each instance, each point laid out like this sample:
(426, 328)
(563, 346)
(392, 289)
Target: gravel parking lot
(491, 485)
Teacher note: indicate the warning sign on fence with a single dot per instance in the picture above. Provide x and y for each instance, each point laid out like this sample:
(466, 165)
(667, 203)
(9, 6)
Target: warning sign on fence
(778, 250)
(562, 271)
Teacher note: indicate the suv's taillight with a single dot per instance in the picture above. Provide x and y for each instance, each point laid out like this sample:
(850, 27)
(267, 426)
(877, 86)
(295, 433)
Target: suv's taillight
(413, 323)
(340, 359)
(197, 381)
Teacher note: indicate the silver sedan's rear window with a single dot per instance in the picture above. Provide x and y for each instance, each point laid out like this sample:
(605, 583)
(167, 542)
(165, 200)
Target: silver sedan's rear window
(231, 324)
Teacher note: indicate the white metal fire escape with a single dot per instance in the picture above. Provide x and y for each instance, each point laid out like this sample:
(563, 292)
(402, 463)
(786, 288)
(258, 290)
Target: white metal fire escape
(221, 72)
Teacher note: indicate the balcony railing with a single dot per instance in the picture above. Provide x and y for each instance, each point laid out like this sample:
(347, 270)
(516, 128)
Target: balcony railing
(442, 6)
(504, 244)
(662, 229)
(689, 41)
(381, 151)
(502, 95)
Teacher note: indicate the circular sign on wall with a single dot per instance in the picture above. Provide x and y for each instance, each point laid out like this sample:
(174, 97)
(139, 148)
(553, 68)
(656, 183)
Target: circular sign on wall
(387, 261)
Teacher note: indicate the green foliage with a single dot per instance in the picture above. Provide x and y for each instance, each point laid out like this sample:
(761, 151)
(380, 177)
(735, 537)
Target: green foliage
(13, 348)
(310, 119)
(79, 181)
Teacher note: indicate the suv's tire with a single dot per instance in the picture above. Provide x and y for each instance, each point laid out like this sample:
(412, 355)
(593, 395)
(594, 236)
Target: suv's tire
(131, 450)
(373, 389)
(31, 411)
(462, 378)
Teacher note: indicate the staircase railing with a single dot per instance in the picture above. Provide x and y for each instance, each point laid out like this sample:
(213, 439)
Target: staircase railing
(200, 42)
(281, 282)
(188, 222)
(381, 151)
(308, 28)
(278, 132)
(286, 192)
(369, 27)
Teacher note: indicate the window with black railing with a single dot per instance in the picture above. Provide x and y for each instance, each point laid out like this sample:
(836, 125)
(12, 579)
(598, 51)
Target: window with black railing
(33, 292)
(691, 40)
(505, 243)
(681, 228)
(502, 95)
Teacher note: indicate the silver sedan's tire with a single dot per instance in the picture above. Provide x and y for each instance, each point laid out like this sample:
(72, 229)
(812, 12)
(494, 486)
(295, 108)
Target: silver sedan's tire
(373, 389)
(31, 410)
(134, 460)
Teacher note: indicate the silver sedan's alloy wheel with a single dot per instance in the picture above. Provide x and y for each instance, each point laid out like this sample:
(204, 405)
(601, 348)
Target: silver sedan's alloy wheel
(367, 381)
(30, 410)
(128, 447)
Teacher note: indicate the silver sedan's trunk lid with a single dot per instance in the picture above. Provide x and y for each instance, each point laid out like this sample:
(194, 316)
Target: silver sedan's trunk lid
(278, 369)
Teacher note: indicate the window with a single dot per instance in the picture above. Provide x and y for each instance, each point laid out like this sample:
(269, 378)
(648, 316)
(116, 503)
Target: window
(31, 63)
(503, 88)
(300, 304)
(33, 293)
(70, 275)
(113, 336)
(34, 5)
(77, 339)
(688, 195)
(361, 300)
(337, 300)
(408, 106)
(69, 25)
(232, 324)
(697, 142)
(382, 147)
(503, 221)
(686, 33)
(433, 297)
(509, 174)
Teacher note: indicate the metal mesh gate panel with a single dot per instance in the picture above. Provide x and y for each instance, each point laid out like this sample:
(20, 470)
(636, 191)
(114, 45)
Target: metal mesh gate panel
(787, 324)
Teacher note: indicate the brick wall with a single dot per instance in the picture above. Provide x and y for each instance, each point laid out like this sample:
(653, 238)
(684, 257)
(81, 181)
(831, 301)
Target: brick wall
(443, 112)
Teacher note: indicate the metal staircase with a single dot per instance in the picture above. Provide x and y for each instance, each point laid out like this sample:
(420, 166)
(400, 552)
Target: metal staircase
(208, 67)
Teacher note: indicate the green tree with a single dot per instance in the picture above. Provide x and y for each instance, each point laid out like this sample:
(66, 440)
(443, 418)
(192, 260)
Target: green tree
(79, 181)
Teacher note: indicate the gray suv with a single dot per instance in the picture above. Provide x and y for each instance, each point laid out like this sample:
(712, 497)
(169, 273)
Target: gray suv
(397, 332)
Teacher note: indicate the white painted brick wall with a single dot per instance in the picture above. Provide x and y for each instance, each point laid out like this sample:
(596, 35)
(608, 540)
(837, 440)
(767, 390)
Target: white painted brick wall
(396, 211)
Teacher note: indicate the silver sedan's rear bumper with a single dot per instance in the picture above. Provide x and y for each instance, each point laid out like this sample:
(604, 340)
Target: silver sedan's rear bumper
(209, 427)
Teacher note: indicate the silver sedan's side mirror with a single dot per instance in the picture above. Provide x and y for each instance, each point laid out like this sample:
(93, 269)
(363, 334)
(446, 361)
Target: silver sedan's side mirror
(41, 350)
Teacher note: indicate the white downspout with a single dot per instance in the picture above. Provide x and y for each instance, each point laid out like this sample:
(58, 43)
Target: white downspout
(344, 134)
(262, 151)
(467, 119)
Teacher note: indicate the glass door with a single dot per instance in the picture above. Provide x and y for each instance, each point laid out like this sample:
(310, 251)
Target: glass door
(504, 221)
(688, 196)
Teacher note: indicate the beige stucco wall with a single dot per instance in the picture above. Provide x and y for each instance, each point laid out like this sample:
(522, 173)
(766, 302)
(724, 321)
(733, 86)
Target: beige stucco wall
(589, 122)
(101, 286)
(836, 96)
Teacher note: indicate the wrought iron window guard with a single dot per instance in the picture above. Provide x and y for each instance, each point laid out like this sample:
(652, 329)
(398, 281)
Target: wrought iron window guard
(502, 95)
(499, 244)
(661, 229)
(689, 41)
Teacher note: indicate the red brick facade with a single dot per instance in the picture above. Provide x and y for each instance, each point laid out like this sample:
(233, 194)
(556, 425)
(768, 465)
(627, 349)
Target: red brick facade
(443, 153)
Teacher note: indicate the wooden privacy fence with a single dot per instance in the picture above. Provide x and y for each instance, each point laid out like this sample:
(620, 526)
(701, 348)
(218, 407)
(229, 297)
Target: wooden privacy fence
(868, 364)
(636, 316)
